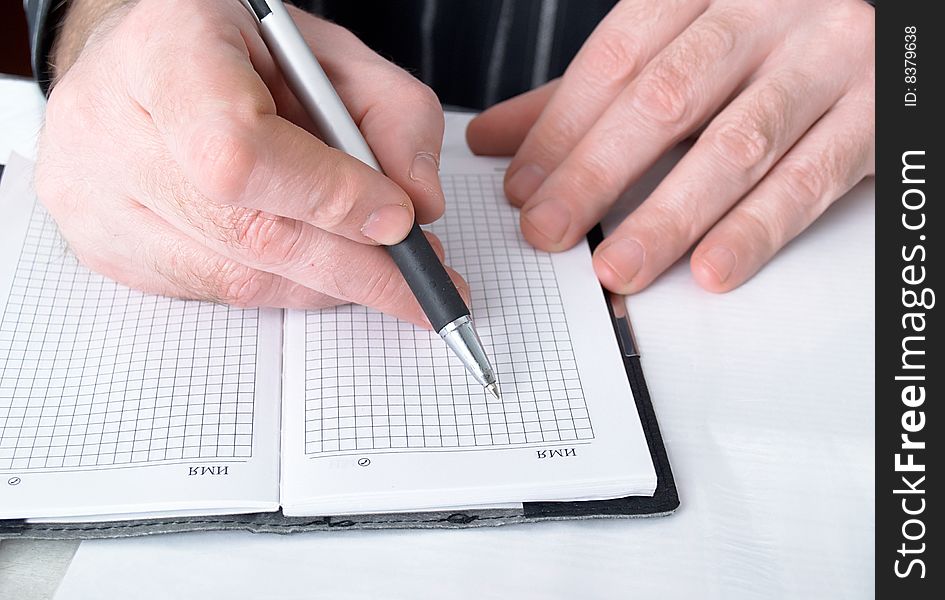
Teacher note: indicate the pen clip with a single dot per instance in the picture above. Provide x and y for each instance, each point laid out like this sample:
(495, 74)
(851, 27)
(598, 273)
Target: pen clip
(618, 308)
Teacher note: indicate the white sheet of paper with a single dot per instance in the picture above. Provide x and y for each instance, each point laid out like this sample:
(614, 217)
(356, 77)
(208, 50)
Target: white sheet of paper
(119, 388)
(379, 416)
(103, 388)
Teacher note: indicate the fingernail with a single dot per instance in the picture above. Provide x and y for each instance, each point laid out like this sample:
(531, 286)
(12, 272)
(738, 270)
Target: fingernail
(624, 257)
(388, 224)
(721, 260)
(425, 170)
(524, 181)
(550, 218)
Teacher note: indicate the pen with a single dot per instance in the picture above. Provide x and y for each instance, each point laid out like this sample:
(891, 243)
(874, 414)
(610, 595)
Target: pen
(414, 256)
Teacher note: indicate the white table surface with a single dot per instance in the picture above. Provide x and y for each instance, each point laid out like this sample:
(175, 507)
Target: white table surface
(765, 399)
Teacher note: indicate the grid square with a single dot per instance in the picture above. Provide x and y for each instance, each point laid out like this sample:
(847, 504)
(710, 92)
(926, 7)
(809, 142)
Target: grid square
(95, 374)
(418, 395)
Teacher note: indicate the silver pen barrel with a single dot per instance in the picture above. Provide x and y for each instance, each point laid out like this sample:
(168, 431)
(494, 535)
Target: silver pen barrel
(463, 340)
(311, 85)
(318, 97)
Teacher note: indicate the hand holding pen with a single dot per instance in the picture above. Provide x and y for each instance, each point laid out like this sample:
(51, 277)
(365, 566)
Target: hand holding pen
(201, 180)
(438, 297)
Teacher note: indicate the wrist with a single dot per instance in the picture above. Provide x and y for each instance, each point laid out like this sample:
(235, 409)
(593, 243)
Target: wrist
(82, 22)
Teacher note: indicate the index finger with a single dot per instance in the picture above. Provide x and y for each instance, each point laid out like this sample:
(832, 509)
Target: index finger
(618, 49)
(673, 94)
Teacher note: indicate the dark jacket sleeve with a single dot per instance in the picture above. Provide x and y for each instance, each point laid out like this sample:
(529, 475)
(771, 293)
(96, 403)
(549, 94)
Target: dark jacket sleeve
(42, 17)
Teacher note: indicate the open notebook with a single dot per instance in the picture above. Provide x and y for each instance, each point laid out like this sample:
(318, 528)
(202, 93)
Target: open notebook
(119, 405)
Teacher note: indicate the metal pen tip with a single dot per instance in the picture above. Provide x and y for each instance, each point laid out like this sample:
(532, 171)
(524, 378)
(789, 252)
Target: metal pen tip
(493, 388)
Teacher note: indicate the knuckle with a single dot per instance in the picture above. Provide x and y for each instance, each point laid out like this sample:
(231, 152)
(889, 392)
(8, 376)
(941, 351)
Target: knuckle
(241, 286)
(416, 103)
(380, 288)
(776, 100)
(748, 140)
(337, 196)
(267, 239)
(610, 57)
(421, 98)
(719, 31)
(805, 182)
(665, 93)
(741, 146)
(333, 211)
(668, 92)
(224, 161)
(213, 279)
(420, 104)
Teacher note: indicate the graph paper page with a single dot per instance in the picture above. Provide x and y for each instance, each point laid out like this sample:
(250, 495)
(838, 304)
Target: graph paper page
(379, 416)
(114, 401)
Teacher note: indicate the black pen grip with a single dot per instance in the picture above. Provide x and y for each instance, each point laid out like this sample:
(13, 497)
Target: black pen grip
(427, 278)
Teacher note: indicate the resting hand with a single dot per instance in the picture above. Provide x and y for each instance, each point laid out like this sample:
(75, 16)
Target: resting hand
(176, 161)
(783, 89)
